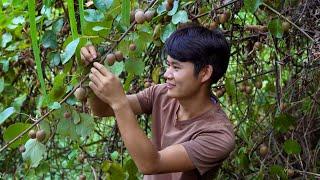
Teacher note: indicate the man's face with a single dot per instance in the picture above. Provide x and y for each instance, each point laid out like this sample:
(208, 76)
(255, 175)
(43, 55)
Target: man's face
(180, 79)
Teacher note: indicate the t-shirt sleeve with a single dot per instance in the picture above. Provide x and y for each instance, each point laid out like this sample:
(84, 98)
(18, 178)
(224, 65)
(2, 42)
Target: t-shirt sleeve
(146, 98)
(211, 147)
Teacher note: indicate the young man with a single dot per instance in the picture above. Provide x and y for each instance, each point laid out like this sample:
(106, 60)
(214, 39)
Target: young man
(191, 135)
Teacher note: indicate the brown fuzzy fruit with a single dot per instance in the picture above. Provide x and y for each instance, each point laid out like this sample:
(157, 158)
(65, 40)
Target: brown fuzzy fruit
(169, 6)
(213, 25)
(223, 18)
(80, 94)
(82, 177)
(132, 47)
(149, 15)
(119, 55)
(81, 157)
(285, 26)
(139, 17)
(242, 87)
(219, 93)
(22, 149)
(263, 150)
(32, 134)
(67, 115)
(111, 58)
(258, 84)
(290, 172)
(40, 135)
(283, 106)
(248, 90)
(132, 14)
(257, 45)
(170, 1)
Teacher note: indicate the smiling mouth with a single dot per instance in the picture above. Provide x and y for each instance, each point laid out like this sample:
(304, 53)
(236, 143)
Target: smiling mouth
(170, 86)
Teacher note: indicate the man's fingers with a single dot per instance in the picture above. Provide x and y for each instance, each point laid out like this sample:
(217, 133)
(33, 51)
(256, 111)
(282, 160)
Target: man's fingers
(101, 69)
(92, 51)
(97, 73)
(94, 79)
(86, 54)
(93, 87)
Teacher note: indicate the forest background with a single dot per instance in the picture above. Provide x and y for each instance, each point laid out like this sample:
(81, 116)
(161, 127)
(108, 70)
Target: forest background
(271, 91)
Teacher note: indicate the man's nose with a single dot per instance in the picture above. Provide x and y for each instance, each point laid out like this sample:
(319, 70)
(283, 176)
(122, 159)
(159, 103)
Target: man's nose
(168, 73)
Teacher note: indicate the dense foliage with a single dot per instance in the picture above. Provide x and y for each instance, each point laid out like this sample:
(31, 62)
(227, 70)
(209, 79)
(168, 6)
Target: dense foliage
(271, 90)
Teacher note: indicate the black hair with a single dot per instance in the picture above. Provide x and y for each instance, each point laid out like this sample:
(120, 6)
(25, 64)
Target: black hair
(200, 46)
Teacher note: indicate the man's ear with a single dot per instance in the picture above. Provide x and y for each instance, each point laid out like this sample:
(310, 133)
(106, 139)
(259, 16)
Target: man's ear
(206, 73)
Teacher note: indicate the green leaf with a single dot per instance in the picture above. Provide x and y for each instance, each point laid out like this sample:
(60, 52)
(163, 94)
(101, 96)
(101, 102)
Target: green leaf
(58, 89)
(66, 128)
(117, 68)
(103, 5)
(168, 30)
(1, 85)
(116, 171)
(18, 20)
(135, 66)
(57, 25)
(18, 102)
(174, 8)
(69, 51)
(86, 125)
(54, 59)
(34, 153)
(252, 5)
(131, 168)
(98, 28)
(54, 105)
(13, 131)
(155, 74)
(6, 38)
(283, 122)
(6, 114)
(180, 17)
(292, 147)
(114, 155)
(275, 28)
(125, 12)
(49, 39)
(278, 171)
(92, 15)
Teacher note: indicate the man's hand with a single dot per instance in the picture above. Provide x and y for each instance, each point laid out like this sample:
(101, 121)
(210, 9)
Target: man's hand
(107, 86)
(88, 54)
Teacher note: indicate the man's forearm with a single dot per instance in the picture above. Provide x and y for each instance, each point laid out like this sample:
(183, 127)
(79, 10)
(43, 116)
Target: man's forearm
(139, 146)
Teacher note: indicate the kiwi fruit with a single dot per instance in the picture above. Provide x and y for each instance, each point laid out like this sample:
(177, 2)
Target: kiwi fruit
(132, 47)
(80, 94)
(149, 15)
(140, 17)
(40, 135)
(111, 58)
(119, 55)
(22, 149)
(82, 177)
(32, 134)
(285, 26)
(67, 115)
(263, 150)
(213, 25)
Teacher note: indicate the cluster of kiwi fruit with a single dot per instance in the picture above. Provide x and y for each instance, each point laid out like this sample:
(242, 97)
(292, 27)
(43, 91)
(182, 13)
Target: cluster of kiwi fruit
(40, 135)
(220, 19)
(140, 16)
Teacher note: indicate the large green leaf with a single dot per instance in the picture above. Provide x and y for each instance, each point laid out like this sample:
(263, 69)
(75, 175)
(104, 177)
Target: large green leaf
(103, 5)
(132, 169)
(283, 122)
(117, 68)
(57, 25)
(275, 28)
(135, 66)
(86, 125)
(13, 131)
(66, 128)
(168, 30)
(156, 74)
(6, 114)
(34, 153)
(49, 39)
(180, 17)
(92, 15)
(125, 12)
(69, 51)
(252, 5)
(292, 147)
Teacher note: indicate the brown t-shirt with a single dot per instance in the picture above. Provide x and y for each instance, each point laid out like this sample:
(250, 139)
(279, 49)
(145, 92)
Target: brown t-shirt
(208, 138)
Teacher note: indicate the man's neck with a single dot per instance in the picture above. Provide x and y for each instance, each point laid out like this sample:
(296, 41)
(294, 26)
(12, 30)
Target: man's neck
(194, 106)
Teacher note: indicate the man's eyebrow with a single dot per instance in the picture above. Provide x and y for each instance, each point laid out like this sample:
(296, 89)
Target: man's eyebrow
(174, 62)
